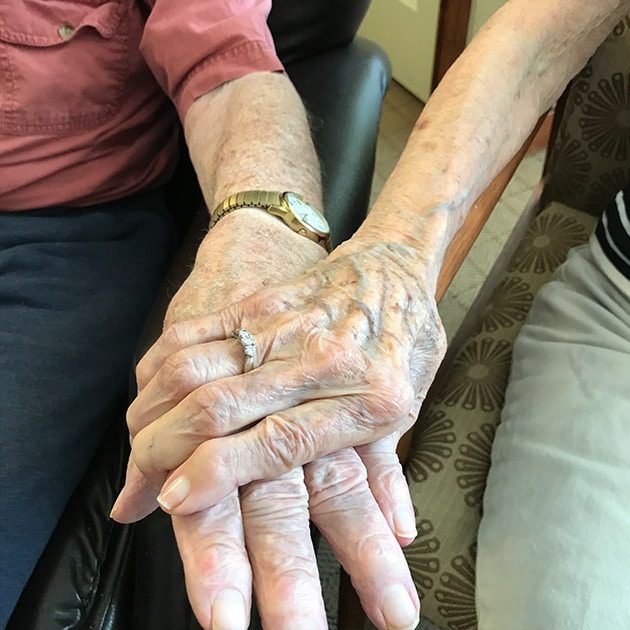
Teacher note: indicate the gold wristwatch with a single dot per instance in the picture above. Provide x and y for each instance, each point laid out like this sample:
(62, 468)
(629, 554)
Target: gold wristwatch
(300, 216)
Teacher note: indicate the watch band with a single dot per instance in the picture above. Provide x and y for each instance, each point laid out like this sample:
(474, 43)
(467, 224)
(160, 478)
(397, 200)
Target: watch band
(267, 200)
(256, 198)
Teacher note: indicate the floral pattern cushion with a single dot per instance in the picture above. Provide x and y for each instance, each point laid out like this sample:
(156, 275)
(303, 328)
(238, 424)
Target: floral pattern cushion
(590, 160)
(450, 455)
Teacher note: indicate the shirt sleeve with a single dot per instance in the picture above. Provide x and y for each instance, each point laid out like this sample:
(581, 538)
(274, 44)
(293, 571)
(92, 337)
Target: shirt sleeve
(194, 46)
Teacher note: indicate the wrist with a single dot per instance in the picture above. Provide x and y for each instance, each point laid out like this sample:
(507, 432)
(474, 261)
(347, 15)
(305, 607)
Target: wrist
(419, 243)
(251, 235)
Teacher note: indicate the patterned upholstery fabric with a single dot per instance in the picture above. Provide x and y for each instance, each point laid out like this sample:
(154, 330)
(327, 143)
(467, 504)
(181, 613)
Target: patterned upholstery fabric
(590, 159)
(450, 455)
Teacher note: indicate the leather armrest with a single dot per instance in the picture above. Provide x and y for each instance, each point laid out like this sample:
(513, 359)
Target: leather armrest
(343, 91)
(309, 27)
(84, 574)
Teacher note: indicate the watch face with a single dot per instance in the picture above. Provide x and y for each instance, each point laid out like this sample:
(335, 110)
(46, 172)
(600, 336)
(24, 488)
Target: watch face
(307, 214)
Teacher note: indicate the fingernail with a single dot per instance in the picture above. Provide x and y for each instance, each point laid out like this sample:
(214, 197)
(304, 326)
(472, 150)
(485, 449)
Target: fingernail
(174, 493)
(398, 609)
(228, 611)
(405, 522)
(116, 505)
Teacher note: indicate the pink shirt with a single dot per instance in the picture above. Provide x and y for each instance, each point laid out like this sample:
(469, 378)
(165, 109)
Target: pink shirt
(85, 115)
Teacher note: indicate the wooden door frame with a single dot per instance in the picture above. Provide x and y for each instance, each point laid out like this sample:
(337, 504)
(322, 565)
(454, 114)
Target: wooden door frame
(451, 36)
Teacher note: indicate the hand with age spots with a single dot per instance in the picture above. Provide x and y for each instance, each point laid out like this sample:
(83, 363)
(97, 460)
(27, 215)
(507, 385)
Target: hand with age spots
(358, 498)
(343, 354)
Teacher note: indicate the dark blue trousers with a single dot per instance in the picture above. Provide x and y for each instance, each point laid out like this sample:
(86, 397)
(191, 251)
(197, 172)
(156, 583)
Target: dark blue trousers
(75, 287)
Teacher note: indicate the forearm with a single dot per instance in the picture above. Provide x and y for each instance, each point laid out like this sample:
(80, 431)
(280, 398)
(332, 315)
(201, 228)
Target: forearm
(482, 112)
(251, 134)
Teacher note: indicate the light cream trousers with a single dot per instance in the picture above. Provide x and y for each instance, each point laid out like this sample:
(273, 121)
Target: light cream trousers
(554, 540)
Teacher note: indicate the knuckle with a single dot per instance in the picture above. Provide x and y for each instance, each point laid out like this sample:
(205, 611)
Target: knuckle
(261, 303)
(333, 478)
(144, 372)
(210, 562)
(345, 360)
(209, 418)
(428, 354)
(133, 419)
(402, 399)
(269, 503)
(376, 545)
(178, 376)
(142, 451)
(389, 477)
(287, 572)
(391, 400)
(286, 442)
(332, 358)
(218, 555)
(173, 336)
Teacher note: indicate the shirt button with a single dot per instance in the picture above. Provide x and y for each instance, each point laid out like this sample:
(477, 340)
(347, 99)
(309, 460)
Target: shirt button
(66, 31)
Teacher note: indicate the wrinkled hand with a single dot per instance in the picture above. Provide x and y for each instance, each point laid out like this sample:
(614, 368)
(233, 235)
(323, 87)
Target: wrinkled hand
(354, 504)
(273, 517)
(343, 355)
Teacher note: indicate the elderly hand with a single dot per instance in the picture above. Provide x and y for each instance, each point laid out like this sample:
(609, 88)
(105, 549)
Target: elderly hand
(342, 355)
(356, 504)
(344, 495)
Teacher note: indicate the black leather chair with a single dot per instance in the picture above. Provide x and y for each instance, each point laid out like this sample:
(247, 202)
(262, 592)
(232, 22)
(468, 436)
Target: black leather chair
(94, 573)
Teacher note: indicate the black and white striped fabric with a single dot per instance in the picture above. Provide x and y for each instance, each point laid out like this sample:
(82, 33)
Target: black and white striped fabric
(613, 232)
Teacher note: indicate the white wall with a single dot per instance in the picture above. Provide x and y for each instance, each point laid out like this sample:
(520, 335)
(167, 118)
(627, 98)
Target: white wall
(407, 30)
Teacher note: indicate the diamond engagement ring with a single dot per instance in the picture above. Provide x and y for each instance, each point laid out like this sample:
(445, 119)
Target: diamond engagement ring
(248, 343)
